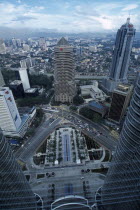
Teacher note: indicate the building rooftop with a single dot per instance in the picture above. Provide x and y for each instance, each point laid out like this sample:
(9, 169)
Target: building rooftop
(95, 104)
(62, 41)
(123, 88)
(31, 90)
(16, 82)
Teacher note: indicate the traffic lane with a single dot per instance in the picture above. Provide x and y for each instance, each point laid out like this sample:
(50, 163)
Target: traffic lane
(76, 116)
(37, 140)
(99, 128)
(40, 135)
(105, 139)
(29, 141)
(102, 140)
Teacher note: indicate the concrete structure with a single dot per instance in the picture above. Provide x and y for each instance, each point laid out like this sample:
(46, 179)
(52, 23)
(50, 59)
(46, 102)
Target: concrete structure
(26, 47)
(67, 152)
(24, 75)
(97, 107)
(42, 43)
(65, 88)
(121, 189)
(32, 92)
(121, 56)
(10, 120)
(93, 91)
(120, 101)
(28, 110)
(71, 202)
(17, 88)
(15, 191)
(2, 83)
(2, 47)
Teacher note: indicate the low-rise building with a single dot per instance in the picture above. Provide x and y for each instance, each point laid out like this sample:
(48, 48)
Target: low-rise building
(97, 107)
(93, 92)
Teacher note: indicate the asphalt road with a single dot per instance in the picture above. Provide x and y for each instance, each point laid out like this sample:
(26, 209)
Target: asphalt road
(29, 148)
(104, 139)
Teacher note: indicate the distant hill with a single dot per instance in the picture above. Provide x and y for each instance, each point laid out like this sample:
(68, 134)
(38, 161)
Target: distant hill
(23, 33)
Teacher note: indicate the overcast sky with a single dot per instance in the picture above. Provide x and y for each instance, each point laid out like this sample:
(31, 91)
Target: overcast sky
(69, 15)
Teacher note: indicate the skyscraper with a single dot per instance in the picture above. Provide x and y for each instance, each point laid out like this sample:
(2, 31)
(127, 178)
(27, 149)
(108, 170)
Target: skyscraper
(15, 191)
(65, 88)
(42, 43)
(120, 101)
(10, 120)
(1, 80)
(24, 75)
(121, 55)
(121, 189)
(2, 47)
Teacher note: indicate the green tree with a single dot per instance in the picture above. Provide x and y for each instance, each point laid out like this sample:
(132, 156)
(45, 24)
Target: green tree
(77, 100)
(73, 108)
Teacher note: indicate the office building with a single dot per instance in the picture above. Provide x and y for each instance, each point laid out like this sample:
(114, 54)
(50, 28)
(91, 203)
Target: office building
(42, 43)
(2, 47)
(24, 75)
(17, 88)
(98, 108)
(2, 83)
(121, 189)
(93, 92)
(26, 47)
(121, 56)
(120, 101)
(32, 92)
(15, 191)
(9, 116)
(18, 42)
(14, 42)
(65, 88)
(10, 120)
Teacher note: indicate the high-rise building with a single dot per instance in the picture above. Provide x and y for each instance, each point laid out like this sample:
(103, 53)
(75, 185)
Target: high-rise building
(65, 88)
(18, 42)
(10, 120)
(14, 42)
(121, 56)
(2, 47)
(121, 189)
(2, 83)
(120, 101)
(15, 191)
(24, 75)
(17, 88)
(26, 47)
(42, 43)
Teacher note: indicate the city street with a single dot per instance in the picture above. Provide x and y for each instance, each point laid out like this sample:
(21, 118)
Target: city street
(28, 150)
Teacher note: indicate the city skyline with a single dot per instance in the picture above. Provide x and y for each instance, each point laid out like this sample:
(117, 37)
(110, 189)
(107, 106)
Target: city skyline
(69, 104)
(75, 16)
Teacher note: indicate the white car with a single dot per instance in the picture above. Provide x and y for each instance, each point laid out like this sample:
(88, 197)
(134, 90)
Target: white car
(82, 177)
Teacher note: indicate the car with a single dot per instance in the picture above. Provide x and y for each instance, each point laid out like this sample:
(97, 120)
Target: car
(82, 177)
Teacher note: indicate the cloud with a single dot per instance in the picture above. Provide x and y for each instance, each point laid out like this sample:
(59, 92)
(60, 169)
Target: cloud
(86, 10)
(70, 18)
(130, 7)
(24, 18)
